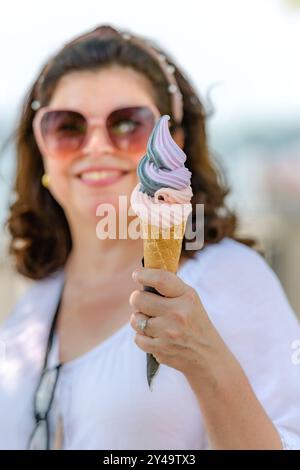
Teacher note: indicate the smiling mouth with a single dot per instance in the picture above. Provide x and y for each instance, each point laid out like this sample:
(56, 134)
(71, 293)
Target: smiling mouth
(101, 177)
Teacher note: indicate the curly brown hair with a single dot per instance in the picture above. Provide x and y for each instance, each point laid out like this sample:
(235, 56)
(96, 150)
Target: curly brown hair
(40, 235)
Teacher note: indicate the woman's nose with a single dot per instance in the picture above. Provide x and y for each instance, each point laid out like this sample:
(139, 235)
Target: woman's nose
(98, 142)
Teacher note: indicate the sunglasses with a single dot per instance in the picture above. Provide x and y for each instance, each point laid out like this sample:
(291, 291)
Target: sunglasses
(62, 133)
(40, 437)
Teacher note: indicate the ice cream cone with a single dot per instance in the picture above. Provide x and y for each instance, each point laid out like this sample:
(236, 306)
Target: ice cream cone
(163, 198)
(162, 249)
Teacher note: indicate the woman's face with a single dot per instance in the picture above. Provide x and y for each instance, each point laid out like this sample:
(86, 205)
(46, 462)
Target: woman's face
(97, 93)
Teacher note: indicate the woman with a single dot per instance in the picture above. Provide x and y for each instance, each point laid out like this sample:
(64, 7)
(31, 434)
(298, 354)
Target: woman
(74, 375)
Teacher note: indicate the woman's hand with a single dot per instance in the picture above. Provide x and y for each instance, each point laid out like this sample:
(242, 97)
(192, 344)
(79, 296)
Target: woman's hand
(178, 332)
(180, 335)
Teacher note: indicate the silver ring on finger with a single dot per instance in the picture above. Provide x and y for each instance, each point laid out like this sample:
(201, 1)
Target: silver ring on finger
(142, 323)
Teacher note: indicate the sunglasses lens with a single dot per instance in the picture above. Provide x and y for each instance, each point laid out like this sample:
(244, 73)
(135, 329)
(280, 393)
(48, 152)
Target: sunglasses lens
(63, 132)
(45, 391)
(130, 128)
(39, 438)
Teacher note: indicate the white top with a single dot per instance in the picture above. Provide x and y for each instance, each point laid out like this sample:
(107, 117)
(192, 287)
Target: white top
(103, 396)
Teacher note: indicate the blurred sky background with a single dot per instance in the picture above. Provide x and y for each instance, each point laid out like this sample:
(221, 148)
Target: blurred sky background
(244, 53)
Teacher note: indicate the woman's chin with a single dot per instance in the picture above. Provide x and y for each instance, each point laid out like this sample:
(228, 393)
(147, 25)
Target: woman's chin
(106, 206)
(94, 203)
(94, 199)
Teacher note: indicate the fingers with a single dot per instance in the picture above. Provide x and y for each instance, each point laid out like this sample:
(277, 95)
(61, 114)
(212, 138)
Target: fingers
(147, 344)
(167, 284)
(152, 328)
(148, 303)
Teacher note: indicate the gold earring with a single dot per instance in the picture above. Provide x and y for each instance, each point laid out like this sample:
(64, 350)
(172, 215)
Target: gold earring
(45, 180)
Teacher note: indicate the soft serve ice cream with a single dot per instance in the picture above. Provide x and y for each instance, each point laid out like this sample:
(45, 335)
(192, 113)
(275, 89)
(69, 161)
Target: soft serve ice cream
(162, 198)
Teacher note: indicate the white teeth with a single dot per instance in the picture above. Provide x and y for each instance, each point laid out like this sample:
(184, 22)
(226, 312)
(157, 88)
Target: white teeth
(99, 175)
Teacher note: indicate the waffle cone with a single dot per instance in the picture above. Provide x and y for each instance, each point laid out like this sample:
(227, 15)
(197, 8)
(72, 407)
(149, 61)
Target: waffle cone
(162, 247)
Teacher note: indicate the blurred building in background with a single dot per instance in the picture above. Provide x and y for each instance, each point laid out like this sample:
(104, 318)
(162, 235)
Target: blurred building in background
(262, 161)
(250, 47)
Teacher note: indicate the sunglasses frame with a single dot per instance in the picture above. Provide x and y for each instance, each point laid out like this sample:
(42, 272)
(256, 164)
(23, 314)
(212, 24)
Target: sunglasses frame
(93, 121)
(42, 417)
